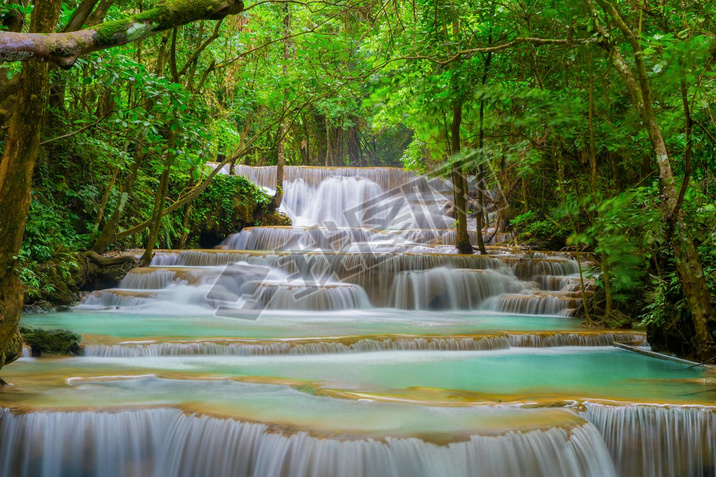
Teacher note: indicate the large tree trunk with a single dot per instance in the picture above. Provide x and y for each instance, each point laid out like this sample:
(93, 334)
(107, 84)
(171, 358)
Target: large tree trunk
(9, 86)
(459, 183)
(16, 168)
(688, 262)
(63, 49)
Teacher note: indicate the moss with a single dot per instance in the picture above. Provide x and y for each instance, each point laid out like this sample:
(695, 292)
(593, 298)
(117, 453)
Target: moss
(229, 204)
(11, 350)
(163, 17)
(178, 12)
(276, 218)
(54, 342)
(107, 33)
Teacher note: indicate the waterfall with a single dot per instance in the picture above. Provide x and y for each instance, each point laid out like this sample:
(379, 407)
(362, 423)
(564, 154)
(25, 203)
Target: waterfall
(336, 196)
(443, 288)
(658, 441)
(350, 196)
(144, 279)
(323, 346)
(386, 177)
(538, 303)
(401, 280)
(347, 344)
(333, 238)
(168, 442)
(545, 340)
(377, 240)
(119, 298)
(306, 296)
(527, 268)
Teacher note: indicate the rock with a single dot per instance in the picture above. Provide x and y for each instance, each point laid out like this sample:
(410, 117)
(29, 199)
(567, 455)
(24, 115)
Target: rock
(617, 319)
(53, 342)
(276, 218)
(39, 306)
(104, 271)
(11, 351)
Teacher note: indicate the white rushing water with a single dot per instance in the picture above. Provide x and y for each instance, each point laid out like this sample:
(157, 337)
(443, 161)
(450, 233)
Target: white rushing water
(366, 299)
(665, 441)
(644, 440)
(363, 345)
(167, 442)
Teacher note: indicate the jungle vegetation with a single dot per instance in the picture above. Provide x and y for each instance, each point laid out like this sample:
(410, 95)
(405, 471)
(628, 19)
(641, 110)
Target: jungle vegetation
(593, 120)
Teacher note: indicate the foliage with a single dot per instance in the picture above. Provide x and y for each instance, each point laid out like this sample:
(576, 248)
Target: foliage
(566, 156)
(228, 204)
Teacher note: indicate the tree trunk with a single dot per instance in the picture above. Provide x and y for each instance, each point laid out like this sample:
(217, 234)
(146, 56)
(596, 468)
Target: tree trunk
(109, 231)
(688, 262)
(105, 198)
(283, 127)
(459, 183)
(80, 15)
(157, 215)
(187, 213)
(16, 169)
(604, 259)
(481, 180)
(99, 13)
(355, 153)
(8, 87)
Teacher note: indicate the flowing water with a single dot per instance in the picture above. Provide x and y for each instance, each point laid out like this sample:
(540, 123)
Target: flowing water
(355, 343)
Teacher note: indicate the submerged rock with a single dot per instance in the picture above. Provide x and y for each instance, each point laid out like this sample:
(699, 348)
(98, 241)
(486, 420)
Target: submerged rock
(53, 342)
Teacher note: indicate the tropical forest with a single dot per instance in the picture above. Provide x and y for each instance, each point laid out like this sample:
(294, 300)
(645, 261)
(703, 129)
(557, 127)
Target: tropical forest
(361, 238)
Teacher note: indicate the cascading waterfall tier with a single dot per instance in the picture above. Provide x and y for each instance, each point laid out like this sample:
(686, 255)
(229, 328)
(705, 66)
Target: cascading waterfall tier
(659, 441)
(386, 177)
(414, 281)
(305, 296)
(330, 345)
(444, 288)
(357, 197)
(624, 440)
(547, 340)
(539, 303)
(335, 238)
(168, 442)
(318, 346)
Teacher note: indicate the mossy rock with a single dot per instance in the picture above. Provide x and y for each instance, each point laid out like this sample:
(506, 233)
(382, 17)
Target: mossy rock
(11, 350)
(60, 284)
(52, 342)
(617, 319)
(226, 206)
(276, 218)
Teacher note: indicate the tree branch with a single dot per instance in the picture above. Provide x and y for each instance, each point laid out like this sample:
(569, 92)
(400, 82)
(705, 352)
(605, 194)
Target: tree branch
(63, 49)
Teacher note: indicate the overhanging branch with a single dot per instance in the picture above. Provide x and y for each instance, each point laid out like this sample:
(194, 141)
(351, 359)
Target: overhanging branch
(63, 49)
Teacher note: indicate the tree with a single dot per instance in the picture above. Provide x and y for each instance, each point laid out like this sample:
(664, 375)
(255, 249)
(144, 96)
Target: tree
(637, 82)
(15, 181)
(38, 50)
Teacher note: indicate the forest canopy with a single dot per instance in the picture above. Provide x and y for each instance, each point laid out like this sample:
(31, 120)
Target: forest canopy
(588, 124)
